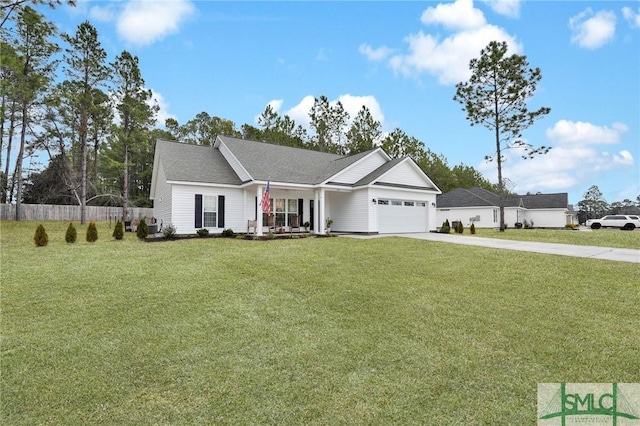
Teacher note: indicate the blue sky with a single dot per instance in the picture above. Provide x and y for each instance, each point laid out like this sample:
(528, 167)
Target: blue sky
(402, 60)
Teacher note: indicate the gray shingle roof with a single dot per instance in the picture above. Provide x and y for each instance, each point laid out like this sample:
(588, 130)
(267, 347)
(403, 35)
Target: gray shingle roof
(546, 201)
(265, 161)
(195, 163)
(479, 197)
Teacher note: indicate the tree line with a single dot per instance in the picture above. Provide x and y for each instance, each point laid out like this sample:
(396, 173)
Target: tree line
(594, 205)
(96, 122)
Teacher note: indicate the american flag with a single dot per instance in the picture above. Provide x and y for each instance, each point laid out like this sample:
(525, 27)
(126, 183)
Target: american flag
(266, 207)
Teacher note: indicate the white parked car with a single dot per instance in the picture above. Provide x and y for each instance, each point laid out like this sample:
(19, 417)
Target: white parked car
(615, 221)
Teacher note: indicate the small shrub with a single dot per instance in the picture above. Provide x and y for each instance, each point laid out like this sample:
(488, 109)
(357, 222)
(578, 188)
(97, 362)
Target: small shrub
(92, 233)
(445, 228)
(143, 229)
(202, 232)
(41, 238)
(572, 226)
(472, 229)
(169, 231)
(227, 233)
(118, 232)
(72, 235)
(459, 227)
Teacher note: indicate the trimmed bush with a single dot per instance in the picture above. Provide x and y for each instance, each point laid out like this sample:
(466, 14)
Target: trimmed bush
(92, 233)
(41, 238)
(143, 229)
(72, 235)
(445, 228)
(204, 232)
(227, 233)
(169, 231)
(118, 231)
(472, 229)
(460, 227)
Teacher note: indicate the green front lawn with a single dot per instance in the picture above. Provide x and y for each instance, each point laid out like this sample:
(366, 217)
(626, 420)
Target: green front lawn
(305, 331)
(598, 238)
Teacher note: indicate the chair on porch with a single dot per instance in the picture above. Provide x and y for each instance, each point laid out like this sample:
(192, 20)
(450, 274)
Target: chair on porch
(271, 222)
(294, 222)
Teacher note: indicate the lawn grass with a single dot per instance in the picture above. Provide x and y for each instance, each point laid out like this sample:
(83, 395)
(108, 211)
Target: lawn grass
(305, 331)
(599, 238)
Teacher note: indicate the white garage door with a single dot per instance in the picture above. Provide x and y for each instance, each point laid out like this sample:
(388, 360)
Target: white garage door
(397, 216)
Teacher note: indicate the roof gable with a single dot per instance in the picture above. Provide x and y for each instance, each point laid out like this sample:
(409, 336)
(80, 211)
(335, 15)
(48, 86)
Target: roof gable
(265, 161)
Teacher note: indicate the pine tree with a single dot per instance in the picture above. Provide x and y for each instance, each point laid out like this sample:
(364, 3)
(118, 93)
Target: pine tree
(41, 238)
(72, 235)
(118, 232)
(92, 233)
(143, 229)
(495, 97)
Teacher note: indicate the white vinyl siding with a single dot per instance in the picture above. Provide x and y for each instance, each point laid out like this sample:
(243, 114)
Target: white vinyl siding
(404, 174)
(360, 169)
(163, 198)
(183, 211)
(349, 211)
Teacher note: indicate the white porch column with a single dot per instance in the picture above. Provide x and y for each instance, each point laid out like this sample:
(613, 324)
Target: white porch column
(321, 210)
(259, 212)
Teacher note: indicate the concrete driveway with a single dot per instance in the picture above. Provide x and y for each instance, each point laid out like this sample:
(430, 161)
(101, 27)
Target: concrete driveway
(604, 253)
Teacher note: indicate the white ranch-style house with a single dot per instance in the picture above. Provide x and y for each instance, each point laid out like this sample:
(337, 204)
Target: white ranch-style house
(482, 208)
(220, 187)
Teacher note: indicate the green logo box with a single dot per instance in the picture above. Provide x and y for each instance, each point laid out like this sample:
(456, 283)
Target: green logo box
(564, 404)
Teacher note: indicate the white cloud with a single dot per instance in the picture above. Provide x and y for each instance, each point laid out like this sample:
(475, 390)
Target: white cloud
(566, 132)
(143, 22)
(592, 30)
(509, 8)
(102, 14)
(631, 17)
(561, 168)
(446, 58)
(163, 112)
(352, 104)
(275, 104)
(459, 15)
(300, 112)
(375, 54)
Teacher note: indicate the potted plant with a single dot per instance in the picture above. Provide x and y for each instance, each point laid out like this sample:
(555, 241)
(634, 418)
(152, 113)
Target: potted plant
(306, 226)
(329, 222)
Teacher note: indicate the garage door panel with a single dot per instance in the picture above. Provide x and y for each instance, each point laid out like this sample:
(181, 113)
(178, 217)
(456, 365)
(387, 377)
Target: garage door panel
(401, 219)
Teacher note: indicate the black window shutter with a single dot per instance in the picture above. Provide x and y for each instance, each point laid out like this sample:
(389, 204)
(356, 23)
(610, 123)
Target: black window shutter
(198, 211)
(220, 211)
(300, 211)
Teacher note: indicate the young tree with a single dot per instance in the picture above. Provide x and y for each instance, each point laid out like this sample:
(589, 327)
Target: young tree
(320, 115)
(36, 67)
(85, 65)
(593, 206)
(135, 113)
(364, 134)
(398, 144)
(495, 96)
(9, 73)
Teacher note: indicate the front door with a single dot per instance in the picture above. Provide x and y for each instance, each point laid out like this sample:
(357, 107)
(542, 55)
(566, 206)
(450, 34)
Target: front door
(311, 215)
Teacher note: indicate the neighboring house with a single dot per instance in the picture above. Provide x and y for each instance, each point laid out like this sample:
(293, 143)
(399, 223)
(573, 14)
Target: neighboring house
(220, 187)
(482, 207)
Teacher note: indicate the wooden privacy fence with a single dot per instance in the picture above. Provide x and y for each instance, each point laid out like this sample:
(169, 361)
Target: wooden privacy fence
(70, 213)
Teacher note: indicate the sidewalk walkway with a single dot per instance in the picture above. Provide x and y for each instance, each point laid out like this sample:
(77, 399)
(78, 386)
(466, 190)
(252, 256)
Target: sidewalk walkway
(604, 253)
